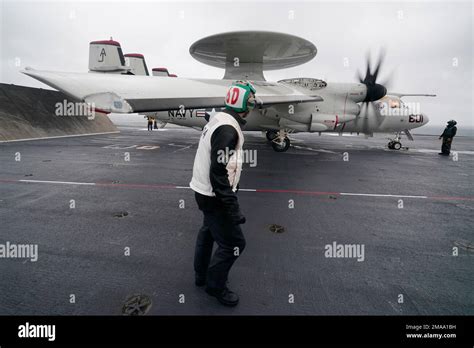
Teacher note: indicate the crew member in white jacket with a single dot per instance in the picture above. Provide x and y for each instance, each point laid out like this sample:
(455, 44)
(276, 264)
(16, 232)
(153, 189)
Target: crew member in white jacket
(216, 174)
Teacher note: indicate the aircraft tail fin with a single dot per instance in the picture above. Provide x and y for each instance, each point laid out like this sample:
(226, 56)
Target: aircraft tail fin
(136, 63)
(106, 56)
(160, 72)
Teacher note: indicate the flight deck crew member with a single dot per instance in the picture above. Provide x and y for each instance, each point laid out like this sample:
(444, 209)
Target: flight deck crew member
(448, 135)
(150, 122)
(215, 182)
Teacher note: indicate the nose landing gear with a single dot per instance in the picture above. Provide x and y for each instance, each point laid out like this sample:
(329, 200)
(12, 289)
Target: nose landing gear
(395, 143)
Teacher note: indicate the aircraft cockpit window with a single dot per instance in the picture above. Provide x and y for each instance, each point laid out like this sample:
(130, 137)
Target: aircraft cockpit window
(395, 104)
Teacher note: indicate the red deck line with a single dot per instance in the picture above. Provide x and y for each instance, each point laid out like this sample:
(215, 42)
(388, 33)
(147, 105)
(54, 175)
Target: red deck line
(303, 192)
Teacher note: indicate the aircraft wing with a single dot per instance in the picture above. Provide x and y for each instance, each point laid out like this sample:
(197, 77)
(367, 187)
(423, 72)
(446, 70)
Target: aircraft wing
(266, 101)
(165, 104)
(138, 94)
(401, 95)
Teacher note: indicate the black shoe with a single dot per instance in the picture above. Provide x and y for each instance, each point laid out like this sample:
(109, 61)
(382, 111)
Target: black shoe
(200, 280)
(224, 296)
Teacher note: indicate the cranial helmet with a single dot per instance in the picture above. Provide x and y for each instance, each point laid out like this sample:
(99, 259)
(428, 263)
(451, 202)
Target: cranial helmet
(241, 97)
(452, 122)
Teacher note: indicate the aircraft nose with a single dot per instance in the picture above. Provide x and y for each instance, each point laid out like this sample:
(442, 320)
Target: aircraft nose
(426, 119)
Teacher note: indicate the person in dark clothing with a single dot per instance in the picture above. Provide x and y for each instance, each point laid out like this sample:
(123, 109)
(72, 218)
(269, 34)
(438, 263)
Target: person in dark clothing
(448, 135)
(215, 182)
(150, 122)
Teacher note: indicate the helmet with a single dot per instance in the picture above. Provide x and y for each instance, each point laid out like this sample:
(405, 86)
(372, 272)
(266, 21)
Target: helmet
(452, 122)
(241, 97)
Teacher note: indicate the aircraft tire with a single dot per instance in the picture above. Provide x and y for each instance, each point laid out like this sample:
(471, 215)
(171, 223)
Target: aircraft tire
(284, 146)
(397, 145)
(271, 135)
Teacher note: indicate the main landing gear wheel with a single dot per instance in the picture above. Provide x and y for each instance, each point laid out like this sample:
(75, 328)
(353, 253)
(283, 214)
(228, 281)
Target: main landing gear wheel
(271, 135)
(281, 146)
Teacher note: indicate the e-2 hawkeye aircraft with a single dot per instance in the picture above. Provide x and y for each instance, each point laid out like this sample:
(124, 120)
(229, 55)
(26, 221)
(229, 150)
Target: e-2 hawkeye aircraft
(287, 106)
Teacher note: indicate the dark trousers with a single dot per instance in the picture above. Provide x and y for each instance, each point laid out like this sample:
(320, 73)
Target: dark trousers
(446, 146)
(230, 242)
(150, 126)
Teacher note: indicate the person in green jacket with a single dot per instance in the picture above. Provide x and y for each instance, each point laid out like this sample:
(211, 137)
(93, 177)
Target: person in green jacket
(448, 135)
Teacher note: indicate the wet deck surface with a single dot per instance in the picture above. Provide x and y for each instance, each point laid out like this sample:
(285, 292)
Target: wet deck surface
(407, 251)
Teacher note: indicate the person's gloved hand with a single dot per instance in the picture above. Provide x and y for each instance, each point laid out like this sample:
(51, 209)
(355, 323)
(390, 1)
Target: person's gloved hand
(237, 218)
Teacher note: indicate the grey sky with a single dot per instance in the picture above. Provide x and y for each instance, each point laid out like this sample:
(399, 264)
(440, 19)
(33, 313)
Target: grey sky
(422, 39)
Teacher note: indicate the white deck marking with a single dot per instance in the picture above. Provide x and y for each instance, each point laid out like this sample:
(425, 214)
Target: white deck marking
(337, 134)
(154, 130)
(437, 151)
(245, 190)
(183, 148)
(119, 147)
(311, 149)
(59, 136)
(380, 195)
(59, 182)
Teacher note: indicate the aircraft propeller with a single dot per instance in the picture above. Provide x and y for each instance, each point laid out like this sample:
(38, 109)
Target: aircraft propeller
(375, 91)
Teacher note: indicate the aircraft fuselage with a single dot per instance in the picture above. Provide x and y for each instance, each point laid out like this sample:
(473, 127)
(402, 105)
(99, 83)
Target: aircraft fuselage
(339, 112)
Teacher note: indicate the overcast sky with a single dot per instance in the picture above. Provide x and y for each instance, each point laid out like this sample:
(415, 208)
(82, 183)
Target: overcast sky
(429, 44)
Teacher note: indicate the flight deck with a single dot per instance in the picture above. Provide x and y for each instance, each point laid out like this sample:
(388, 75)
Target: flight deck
(113, 216)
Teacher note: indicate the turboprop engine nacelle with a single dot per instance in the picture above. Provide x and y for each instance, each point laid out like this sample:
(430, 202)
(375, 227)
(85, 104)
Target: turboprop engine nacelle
(328, 122)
